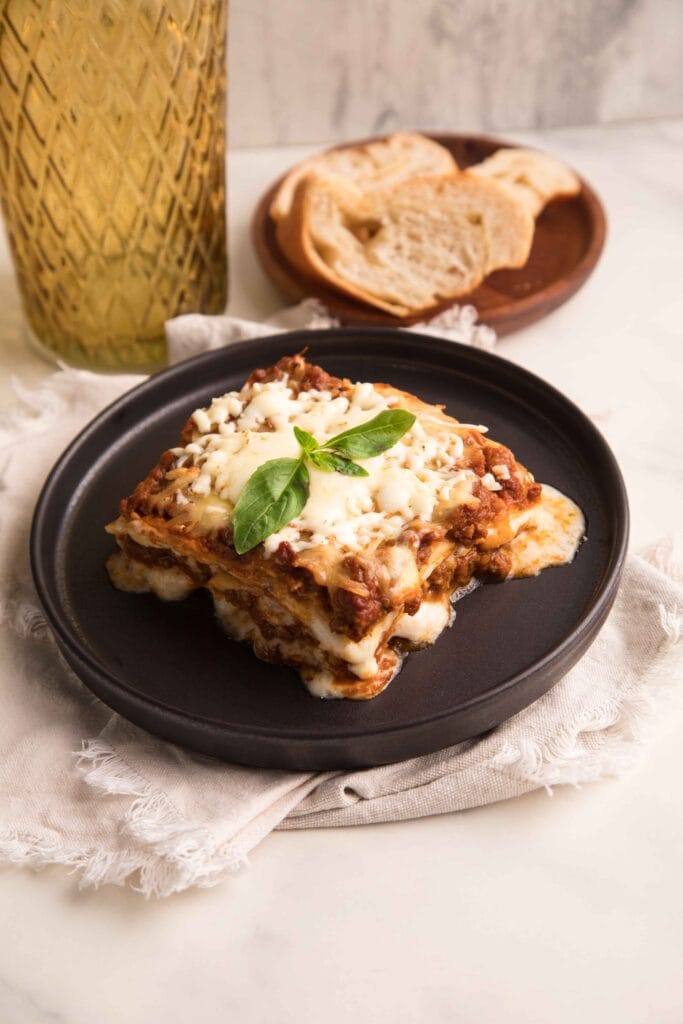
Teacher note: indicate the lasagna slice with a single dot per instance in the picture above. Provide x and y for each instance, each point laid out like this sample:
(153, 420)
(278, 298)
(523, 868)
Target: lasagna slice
(371, 566)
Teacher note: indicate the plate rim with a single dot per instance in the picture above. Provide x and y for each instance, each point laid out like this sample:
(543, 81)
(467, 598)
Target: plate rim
(58, 615)
(511, 316)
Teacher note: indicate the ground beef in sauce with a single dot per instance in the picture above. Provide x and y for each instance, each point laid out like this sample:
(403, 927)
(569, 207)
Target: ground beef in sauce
(355, 614)
(141, 500)
(302, 375)
(161, 558)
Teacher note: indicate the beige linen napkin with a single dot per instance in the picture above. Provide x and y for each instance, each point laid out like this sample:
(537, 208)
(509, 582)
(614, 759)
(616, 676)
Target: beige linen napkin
(80, 786)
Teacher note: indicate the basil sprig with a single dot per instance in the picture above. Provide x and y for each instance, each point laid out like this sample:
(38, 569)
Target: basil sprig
(372, 438)
(278, 490)
(273, 496)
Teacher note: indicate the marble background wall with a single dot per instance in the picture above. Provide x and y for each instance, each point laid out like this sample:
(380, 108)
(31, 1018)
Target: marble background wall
(317, 70)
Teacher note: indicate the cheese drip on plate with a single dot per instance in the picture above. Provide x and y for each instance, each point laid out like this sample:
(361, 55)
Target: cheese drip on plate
(547, 534)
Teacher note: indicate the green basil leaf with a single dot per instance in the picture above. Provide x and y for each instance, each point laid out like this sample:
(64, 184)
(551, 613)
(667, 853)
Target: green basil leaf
(331, 463)
(271, 498)
(373, 437)
(306, 440)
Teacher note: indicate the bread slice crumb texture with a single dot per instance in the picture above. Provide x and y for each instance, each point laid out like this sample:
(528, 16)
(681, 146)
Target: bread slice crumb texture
(380, 164)
(407, 247)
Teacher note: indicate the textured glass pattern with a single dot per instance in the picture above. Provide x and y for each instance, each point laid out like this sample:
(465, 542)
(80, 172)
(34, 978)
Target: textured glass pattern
(112, 169)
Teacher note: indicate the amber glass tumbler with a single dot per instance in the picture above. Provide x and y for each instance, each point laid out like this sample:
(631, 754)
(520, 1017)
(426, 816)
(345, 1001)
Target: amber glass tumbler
(112, 170)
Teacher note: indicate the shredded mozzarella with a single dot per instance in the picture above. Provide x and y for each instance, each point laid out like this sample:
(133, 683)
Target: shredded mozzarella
(241, 431)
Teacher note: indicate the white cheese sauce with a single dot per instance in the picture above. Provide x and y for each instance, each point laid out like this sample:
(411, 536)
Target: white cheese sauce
(428, 622)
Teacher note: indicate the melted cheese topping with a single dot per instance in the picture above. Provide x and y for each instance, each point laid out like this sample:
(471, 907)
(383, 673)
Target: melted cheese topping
(242, 430)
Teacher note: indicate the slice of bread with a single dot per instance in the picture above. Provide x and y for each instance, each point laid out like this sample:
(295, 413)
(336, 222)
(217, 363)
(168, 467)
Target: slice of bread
(374, 165)
(537, 178)
(405, 248)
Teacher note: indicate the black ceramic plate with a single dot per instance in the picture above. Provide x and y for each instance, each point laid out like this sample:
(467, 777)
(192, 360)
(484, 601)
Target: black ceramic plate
(170, 669)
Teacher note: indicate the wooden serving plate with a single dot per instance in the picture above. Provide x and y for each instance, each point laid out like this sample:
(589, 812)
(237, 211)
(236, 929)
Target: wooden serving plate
(568, 240)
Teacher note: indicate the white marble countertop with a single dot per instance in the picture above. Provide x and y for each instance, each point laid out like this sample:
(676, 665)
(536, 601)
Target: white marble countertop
(535, 910)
